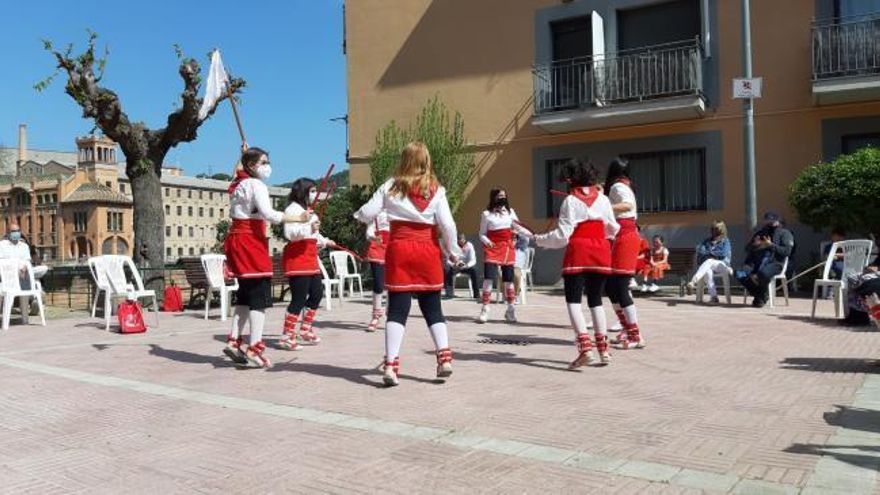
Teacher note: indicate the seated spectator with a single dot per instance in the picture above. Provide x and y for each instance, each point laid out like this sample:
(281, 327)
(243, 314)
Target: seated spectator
(766, 253)
(862, 293)
(466, 264)
(713, 256)
(641, 260)
(15, 247)
(837, 235)
(656, 264)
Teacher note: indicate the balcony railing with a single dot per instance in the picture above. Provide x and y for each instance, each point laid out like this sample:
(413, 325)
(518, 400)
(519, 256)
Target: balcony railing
(848, 47)
(642, 74)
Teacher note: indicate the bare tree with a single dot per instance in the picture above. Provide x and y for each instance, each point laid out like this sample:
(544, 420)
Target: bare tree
(144, 148)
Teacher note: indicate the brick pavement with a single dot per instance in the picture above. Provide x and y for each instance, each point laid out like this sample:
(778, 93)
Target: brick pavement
(723, 399)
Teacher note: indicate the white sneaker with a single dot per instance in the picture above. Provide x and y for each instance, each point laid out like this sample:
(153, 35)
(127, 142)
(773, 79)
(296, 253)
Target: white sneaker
(644, 288)
(653, 288)
(617, 327)
(444, 370)
(510, 315)
(484, 315)
(605, 358)
(390, 378)
(583, 359)
(633, 285)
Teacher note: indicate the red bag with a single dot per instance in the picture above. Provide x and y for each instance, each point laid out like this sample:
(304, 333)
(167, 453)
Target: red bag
(173, 299)
(131, 317)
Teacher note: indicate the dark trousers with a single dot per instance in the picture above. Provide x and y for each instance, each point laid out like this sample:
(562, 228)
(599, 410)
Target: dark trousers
(764, 274)
(449, 281)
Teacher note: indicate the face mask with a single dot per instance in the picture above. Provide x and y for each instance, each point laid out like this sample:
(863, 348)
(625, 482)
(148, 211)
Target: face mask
(499, 202)
(313, 195)
(263, 172)
(15, 236)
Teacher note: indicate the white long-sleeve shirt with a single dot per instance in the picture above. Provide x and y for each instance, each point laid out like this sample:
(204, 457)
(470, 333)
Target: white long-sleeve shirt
(574, 211)
(251, 201)
(498, 220)
(468, 256)
(10, 250)
(301, 231)
(378, 224)
(622, 193)
(400, 208)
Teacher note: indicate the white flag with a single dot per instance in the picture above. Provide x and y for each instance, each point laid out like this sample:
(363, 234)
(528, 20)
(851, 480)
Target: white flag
(216, 85)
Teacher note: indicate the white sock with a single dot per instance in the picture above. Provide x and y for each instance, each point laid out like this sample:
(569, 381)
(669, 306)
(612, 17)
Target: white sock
(257, 320)
(377, 302)
(393, 339)
(440, 335)
(599, 323)
(630, 312)
(576, 315)
(239, 320)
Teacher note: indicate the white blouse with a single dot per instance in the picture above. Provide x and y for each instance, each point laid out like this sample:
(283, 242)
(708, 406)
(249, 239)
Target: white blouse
(250, 201)
(495, 220)
(301, 231)
(400, 208)
(574, 211)
(622, 193)
(379, 224)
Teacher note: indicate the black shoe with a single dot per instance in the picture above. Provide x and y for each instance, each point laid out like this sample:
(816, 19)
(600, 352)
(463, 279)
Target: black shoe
(758, 303)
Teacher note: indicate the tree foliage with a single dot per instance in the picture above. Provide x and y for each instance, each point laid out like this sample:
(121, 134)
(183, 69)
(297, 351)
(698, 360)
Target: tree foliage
(844, 193)
(222, 229)
(444, 135)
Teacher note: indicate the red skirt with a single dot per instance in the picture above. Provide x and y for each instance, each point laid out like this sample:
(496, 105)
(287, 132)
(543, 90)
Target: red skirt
(412, 259)
(588, 250)
(376, 250)
(300, 258)
(625, 250)
(247, 249)
(503, 252)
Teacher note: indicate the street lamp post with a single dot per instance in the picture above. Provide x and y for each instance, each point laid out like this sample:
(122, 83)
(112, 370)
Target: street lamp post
(749, 123)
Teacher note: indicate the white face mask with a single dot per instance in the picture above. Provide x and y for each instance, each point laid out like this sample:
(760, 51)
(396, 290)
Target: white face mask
(263, 172)
(313, 195)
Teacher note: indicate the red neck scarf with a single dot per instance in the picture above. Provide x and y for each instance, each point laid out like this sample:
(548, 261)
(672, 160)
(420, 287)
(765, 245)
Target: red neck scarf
(589, 197)
(240, 175)
(419, 200)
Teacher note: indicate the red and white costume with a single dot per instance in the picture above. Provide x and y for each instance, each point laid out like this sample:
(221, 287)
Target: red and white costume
(586, 224)
(625, 251)
(412, 257)
(247, 246)
(380, 229)
(300, 255)
(496, 233)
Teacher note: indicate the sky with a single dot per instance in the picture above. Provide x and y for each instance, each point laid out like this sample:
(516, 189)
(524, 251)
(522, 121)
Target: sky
(289, 51)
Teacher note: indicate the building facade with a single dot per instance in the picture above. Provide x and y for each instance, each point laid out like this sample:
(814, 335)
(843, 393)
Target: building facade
(541, 81)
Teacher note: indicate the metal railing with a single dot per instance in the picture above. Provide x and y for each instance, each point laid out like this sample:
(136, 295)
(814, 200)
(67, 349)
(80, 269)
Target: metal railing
(846, 47)
(647, 73)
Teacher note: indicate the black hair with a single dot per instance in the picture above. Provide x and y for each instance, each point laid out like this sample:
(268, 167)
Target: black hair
(618, 169)
(658, 236)
(579, 173)
(493, 195)
(838, 231)
(250, 157)
(299, 192)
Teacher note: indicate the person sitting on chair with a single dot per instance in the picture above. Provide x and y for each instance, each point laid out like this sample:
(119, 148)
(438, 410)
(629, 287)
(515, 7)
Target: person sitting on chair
(766, 253)
(466, 264)
(15, 247)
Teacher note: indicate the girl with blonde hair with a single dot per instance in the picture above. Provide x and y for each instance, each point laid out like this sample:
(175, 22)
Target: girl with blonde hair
(713, 257)
(416, 206)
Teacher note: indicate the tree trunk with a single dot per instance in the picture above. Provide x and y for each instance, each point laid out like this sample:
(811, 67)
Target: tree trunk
(149, 223)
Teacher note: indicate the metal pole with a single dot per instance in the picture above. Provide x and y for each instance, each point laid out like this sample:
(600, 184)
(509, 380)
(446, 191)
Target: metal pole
(749, 123)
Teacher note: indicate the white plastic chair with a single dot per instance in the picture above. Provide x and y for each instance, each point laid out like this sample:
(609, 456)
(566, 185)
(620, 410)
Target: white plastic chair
(10, 288)
(96, 268)
(772, 287)
(214, 265)
(855, 259)
(468, 278)
(345, 273)
(526, 282)
(724, 276)
(113, 266)
(328, 286)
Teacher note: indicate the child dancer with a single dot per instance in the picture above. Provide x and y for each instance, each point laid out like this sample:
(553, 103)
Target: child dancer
(247, 254)
(658, 263)
(300, 263)
(497, 226)
(586, 224)
(378, 233)
(416, 206)
(624, 253)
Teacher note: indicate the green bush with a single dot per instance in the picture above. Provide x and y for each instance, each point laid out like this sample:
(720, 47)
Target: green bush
(844, 193)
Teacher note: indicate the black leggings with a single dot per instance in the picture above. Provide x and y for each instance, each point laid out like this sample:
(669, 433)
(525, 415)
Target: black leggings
(305, 291)
(378, 272)
(429, 302)
(578, 284)
(490, 271)
(617, 289)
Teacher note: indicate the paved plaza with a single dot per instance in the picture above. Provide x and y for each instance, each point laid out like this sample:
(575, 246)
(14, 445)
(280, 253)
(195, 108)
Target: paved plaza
(723, 400)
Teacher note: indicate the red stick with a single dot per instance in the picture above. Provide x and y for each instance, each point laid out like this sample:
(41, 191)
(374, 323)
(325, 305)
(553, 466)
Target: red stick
(558, 193)
(349, 251)
(323, 184)
(323, 205)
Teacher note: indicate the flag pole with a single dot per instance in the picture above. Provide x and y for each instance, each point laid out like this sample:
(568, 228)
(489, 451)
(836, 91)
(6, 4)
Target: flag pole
(235, 113)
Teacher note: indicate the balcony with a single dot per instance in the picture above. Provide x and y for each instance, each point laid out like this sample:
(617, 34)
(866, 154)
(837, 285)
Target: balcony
(652, 84)
(846, 59)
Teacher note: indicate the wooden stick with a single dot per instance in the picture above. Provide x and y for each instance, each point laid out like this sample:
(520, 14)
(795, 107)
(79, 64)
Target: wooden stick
(349, 251)
(323, 184)
(808, 270)
(235, 113)
(323, 204)
(558, 192)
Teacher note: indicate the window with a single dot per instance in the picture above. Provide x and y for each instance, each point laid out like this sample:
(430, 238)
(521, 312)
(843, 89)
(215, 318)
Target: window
(192, 232)
(221, 213)
(200, 194)
(52, 223)
(168, 252)
(211, 212)
(658, 24)
(167, 194)
(42, 225)
(54, 198)
(189, 210)
(109, 184)
(854, 142)
(114, 221)
(80, 221)
(201, 250)
(189, 194)
(202, 232)
(201, 211)
(180, 251)
(178, 192)
(669, 180)
(211, 195)
(179, 210)
(179, 231)
(554, 201)
(167, 209)
(856, 8)
(122, 188)
(192, 251)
